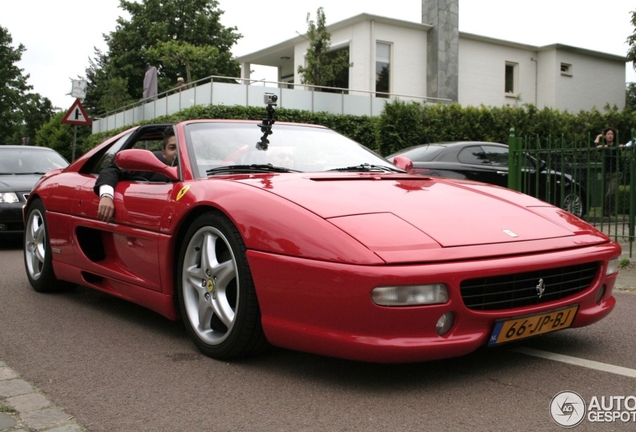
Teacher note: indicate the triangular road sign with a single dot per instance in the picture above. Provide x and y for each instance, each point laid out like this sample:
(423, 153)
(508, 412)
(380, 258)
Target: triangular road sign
(76, 115)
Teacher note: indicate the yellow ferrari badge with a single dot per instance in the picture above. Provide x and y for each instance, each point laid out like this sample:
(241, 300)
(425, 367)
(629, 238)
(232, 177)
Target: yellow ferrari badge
(209, 285)
(182, 192)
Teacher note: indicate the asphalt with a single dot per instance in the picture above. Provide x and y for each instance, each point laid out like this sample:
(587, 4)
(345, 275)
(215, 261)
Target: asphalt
(23, 408)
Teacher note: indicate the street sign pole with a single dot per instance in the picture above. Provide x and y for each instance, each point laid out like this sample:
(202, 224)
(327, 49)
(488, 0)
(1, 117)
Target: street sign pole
(74, 141)
(76, 115)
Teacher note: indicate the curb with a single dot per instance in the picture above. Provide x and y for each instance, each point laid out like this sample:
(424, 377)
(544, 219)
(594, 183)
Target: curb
(23, 408)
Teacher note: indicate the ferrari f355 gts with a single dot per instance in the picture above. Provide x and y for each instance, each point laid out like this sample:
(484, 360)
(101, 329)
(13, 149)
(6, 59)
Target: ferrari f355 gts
(304, 239)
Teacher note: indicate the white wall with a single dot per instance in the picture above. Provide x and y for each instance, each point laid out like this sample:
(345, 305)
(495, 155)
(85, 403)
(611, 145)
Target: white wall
(596, 78)
(594, 82)
(482, 69)
(408, 56)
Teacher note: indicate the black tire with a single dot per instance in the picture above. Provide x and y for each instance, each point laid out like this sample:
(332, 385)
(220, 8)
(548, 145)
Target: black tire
(215, 290)
(37, 252)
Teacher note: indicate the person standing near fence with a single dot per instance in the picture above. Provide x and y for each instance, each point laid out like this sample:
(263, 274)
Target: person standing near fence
(181, 85)
(606, 142)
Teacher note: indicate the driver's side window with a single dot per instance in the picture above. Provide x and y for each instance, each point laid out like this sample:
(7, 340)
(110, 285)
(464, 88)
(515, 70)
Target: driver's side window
(153, 145)
(146, 139)
(107, 158)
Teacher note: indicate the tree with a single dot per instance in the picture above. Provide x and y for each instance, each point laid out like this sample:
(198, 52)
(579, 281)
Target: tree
(631, 41)
(21, 113)
(323, 66)
(176, 56)
(36, 111)
(13, 89)
(179, 37)
(57, 135)
(106, 90)
(630, 99)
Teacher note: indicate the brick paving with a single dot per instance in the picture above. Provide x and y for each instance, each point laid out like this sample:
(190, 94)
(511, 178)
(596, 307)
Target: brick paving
(24, 409)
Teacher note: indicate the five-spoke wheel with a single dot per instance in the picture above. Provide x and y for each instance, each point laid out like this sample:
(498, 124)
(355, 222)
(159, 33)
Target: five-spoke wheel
(37, 252)
(216, 293)
(573, 203)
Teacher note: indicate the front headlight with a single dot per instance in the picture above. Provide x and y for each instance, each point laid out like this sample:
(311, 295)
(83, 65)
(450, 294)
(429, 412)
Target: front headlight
(8, 198)
(412, 295)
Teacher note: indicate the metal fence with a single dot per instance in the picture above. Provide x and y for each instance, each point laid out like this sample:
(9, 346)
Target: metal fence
(219, 90)
(595, 183)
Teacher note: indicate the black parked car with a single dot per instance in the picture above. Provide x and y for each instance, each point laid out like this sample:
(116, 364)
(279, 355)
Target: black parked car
(488, 163)
(20, 168)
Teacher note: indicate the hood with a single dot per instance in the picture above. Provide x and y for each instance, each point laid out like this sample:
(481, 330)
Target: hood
(415, 212)
(18, 183)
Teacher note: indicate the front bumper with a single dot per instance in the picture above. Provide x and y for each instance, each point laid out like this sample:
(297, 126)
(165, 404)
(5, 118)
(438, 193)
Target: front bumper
(326, 308)
(11, 222)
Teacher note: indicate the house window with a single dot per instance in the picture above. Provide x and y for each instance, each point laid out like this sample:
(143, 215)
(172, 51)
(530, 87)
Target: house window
(510, 86)
(289, 79)
(341, 80)
(382, 68)
(566, 69)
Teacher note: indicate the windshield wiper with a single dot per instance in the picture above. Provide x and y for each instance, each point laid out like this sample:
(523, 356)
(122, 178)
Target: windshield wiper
(254, 168)
(365, 167)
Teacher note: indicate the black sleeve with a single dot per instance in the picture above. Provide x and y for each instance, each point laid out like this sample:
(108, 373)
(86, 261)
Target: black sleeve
(108, 176)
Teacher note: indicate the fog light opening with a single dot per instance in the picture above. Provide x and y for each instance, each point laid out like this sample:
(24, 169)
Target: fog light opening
(600, 293)
(444, 323)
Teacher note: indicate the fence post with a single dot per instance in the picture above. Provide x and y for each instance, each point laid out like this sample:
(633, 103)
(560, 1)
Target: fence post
(632, 190)
(514, 161)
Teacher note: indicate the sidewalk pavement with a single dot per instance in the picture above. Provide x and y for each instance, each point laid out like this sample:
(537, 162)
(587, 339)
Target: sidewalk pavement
(24, 409)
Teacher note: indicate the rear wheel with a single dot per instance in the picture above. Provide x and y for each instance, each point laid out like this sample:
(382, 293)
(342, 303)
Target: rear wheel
(215, 290)
(37, 252)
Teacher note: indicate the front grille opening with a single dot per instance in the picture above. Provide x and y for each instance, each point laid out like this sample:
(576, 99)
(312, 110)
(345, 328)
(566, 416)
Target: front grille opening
(522, 289)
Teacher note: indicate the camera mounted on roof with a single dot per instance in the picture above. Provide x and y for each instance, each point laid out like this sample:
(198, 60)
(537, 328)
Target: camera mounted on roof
(270, 100)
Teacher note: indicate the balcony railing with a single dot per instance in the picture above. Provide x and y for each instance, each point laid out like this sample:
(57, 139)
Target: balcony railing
(215, 90)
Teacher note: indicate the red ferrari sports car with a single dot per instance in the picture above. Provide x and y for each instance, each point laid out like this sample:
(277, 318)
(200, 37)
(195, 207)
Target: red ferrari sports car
(303, 239)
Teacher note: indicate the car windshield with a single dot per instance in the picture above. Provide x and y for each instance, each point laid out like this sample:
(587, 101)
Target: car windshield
(21, 161)
(223, 147)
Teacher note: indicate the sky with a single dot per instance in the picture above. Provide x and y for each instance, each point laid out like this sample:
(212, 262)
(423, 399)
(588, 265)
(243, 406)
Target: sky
(60, 35)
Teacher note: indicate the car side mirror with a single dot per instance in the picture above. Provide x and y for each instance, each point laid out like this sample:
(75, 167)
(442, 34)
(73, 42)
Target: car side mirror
(403, 162)
(144, 160)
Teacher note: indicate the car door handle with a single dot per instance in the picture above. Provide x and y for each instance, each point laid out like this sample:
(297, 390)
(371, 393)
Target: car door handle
(502, 172)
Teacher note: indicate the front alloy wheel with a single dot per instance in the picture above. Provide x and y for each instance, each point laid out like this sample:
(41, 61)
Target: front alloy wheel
(216, 293)
(37, 252)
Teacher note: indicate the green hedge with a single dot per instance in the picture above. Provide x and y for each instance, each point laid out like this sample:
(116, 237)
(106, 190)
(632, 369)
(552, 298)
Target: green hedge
(362, 129)
(407, 124)
(402, 125)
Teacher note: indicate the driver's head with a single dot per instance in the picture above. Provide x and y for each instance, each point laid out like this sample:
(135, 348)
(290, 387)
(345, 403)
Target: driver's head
(169, 146)
(281, 156)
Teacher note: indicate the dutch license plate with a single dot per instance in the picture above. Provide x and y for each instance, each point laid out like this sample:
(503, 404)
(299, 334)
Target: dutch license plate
(533, 325)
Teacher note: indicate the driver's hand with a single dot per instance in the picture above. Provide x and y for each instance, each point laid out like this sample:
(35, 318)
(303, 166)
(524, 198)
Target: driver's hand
(106, 209)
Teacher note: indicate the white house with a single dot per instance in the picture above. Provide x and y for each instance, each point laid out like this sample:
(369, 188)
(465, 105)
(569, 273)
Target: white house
(425, 62)
(433, 61)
